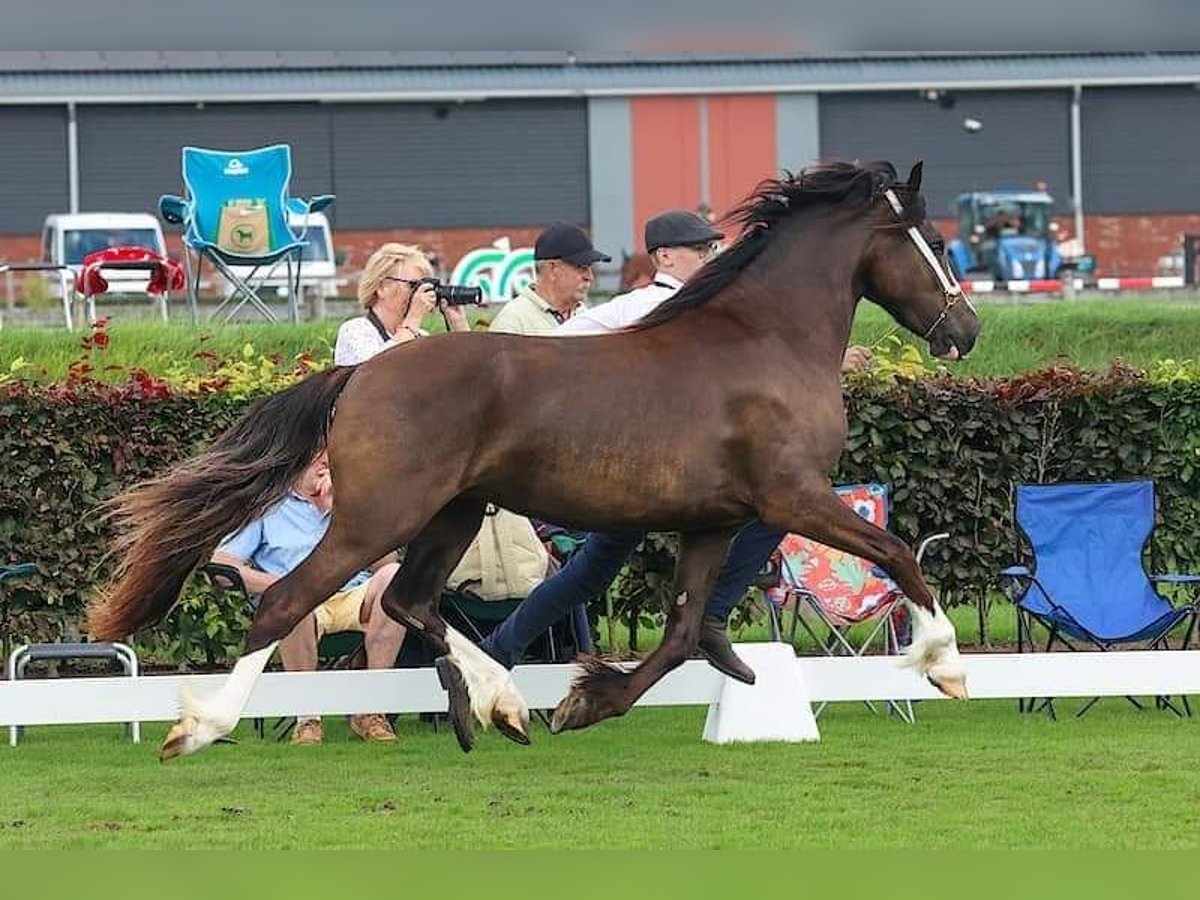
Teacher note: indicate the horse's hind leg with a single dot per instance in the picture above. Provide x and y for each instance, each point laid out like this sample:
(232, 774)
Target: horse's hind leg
(820, 514)
(478, 686)
(344, 550)
(604, 690)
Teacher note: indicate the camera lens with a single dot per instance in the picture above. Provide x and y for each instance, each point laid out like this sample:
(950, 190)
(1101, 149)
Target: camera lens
(459, 295)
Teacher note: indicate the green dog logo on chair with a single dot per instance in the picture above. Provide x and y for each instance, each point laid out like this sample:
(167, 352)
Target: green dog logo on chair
(244, 236)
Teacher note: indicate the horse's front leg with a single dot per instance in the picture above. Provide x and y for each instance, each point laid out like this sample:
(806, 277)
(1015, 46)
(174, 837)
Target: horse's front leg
(479, 688)
(819, 514)
(604, 691)
(202, 721)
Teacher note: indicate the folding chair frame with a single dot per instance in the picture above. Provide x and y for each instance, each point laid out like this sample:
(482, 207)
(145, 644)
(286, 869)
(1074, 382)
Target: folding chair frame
(837, 642)
(241, 290)
(1022, 578)
(1057, 634)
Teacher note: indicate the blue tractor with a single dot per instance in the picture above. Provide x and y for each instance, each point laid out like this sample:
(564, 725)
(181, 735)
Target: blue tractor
(1006, 236)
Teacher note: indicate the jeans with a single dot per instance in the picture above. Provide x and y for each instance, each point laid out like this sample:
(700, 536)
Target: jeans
(592, 569)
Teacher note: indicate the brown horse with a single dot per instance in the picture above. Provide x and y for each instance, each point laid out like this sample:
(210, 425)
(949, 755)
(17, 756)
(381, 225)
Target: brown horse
(636, 271)
(723, 405)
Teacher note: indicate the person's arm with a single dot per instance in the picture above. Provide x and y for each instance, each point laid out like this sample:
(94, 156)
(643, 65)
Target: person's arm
(383, 561)
(256, 582)
(456, 317)
(423, 302)
(855, 358)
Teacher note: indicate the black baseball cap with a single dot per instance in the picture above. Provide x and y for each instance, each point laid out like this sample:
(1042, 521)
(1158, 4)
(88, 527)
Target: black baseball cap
(568, 243)
(678, 228)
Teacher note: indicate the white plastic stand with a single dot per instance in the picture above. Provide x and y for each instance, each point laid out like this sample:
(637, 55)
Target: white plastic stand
(775, 708)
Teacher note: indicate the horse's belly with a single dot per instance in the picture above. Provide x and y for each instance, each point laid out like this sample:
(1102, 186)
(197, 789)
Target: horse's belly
(650, 498)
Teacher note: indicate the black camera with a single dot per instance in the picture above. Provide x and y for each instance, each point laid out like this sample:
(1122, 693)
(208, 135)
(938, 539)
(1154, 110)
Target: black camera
(454, 294)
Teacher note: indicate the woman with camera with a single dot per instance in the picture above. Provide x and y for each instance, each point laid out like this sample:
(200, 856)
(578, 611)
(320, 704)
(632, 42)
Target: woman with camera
(396, 296)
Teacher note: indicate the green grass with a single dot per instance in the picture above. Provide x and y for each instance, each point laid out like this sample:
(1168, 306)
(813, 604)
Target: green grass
(1087, 333)
(966, 775)
(1016, 338)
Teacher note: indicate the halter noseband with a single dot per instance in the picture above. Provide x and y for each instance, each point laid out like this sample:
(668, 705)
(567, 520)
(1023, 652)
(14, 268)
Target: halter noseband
(951, 290)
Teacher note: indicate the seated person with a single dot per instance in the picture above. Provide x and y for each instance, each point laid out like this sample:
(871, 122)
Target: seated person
(272, 546)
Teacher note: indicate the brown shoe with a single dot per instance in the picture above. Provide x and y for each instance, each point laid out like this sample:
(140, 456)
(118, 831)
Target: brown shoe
(308, 731)
(373, 727)
(716, 648)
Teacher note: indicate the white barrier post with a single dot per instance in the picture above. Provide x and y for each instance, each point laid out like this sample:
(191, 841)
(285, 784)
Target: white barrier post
(775, 708)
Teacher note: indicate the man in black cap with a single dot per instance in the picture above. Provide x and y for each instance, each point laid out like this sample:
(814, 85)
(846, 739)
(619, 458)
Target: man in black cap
(679, 242)
(563, 257)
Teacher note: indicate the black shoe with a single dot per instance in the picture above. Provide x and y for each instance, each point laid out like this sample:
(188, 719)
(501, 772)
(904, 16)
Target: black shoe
(716, 648)
(460, 702)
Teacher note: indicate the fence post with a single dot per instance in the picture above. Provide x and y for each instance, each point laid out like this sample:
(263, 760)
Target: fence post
(1189, 259)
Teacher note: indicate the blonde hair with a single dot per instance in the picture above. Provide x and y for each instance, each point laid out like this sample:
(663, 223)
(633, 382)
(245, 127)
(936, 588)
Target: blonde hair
(382, 263)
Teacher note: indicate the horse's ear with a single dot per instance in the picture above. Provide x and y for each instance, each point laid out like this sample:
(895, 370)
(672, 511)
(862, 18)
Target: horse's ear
(914, 176)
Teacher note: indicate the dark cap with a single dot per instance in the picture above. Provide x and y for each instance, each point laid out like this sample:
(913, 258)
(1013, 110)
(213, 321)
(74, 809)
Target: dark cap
(568, 243)
(678, 228)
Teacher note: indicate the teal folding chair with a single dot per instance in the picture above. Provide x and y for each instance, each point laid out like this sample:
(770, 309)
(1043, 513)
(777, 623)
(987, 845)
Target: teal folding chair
(239, 216)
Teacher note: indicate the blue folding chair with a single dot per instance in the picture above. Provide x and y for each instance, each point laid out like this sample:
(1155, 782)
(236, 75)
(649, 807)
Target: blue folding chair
(1088, 585)
(254, 183)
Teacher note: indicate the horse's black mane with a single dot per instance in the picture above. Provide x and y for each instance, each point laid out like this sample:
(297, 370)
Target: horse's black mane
(773, 201)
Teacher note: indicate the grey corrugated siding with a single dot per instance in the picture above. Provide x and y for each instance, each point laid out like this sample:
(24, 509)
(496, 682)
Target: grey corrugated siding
(498, 162)
(129, 155)
(33, 167)
(1025, 138)
(1141, 150)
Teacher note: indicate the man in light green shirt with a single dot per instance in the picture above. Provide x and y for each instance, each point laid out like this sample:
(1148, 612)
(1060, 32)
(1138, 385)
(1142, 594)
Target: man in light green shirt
(563, 258)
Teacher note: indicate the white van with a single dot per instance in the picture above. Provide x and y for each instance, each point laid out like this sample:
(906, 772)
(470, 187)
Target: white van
(318, 267)
(68, 237)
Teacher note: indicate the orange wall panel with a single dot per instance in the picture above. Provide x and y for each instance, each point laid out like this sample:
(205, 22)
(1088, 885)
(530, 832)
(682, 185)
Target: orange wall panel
(666, 156)
(741, 147)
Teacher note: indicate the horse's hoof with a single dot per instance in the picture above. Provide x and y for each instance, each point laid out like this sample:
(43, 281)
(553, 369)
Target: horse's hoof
(574, 711)
(459, 711)
(178, 740)
(511, 726)
(954, 687)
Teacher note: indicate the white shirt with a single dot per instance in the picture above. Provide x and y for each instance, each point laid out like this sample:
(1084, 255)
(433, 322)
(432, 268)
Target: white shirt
(358, 340)
(622, 310)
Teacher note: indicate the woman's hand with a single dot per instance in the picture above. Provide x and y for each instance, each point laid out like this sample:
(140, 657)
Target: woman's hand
(422, 303)
(456, 317)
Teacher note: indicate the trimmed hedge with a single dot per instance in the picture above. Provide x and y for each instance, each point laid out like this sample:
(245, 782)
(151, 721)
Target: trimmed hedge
(951, 449)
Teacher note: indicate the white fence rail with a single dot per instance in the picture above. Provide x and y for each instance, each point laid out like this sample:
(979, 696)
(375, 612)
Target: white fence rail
(1000, 675)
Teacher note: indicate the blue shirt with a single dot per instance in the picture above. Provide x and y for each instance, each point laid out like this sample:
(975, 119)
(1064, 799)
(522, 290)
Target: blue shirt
(283, 538)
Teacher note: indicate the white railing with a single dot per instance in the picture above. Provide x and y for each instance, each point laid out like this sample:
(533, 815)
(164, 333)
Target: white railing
(1000, 675)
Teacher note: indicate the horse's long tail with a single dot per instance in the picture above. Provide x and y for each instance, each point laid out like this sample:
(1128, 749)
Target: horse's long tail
(166, 526)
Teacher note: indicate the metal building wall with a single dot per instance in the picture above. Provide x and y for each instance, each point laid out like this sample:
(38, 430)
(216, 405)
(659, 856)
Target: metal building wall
(33, 166)
(129, 155)
(1025, 138)
(444, 165)
(391, 165)
(1140, 150)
